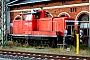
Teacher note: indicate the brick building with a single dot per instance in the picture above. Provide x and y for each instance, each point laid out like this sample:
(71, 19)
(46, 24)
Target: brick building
(78, 9)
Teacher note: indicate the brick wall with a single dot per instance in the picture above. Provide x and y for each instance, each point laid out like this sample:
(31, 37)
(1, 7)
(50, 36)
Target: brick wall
(72, 11)
(45, 4)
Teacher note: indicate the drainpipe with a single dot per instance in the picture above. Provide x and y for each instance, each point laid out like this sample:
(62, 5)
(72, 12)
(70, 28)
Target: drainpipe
(7, 24)
(3, 22)
(89, 25)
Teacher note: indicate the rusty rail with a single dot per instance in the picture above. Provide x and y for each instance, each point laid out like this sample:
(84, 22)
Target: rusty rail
(16, 55)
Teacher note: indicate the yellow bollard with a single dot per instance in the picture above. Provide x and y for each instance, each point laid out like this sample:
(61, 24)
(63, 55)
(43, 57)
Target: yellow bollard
(77, 43)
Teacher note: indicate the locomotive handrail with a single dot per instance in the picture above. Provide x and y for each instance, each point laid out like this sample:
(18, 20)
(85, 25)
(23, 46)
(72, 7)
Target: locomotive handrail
(56, 27)
(49, 25)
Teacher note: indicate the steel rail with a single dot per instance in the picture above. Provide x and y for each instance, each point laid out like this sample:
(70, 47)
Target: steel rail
(38, 56)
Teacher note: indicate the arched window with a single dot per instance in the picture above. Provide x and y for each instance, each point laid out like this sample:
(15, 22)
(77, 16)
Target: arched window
(18, 17)
(48, 14)
(64, 14)
(84, 23)
(83, 17)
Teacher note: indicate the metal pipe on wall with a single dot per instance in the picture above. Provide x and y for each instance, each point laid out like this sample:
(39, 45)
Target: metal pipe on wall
(89, 25)
(3, 22)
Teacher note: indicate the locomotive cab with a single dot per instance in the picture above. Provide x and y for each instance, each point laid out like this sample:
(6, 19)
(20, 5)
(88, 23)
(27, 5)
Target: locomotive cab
(69, 26)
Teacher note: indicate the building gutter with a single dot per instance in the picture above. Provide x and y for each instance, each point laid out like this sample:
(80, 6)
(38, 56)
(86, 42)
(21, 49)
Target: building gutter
(12, 2)
(27, 3)
(53, 7)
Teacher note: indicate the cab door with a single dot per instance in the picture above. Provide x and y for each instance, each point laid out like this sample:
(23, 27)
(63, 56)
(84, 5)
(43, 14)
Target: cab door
(70, 27)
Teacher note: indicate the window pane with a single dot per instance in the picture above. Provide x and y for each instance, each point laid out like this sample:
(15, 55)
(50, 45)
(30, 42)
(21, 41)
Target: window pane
(85, 25)
(81, 26)
(88, 25)
(69, 30)
(85, 32)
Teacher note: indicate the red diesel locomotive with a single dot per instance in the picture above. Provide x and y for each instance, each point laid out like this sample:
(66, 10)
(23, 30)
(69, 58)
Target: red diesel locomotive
(36, 27)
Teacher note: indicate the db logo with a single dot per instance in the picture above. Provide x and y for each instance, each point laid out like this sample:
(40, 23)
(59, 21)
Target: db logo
(28, 23)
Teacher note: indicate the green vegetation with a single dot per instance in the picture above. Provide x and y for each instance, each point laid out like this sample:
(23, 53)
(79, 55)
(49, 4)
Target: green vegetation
(83, 46)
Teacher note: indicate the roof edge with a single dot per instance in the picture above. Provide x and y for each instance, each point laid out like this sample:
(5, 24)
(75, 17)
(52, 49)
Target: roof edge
(12, 2)
(25, 3)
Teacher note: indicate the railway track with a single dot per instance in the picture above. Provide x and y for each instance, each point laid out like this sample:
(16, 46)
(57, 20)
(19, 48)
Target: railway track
(16, 55)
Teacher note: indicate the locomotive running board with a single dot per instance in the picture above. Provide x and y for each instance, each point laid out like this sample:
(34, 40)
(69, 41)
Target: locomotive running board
(19, 35)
